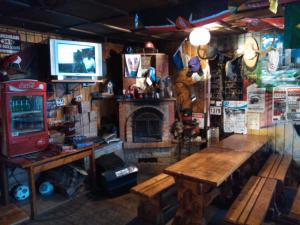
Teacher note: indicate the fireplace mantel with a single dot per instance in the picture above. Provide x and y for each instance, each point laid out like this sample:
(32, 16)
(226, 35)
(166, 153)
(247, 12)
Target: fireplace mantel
(146, 100)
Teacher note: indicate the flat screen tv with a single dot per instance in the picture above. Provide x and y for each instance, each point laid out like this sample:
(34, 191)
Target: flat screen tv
(75, 60)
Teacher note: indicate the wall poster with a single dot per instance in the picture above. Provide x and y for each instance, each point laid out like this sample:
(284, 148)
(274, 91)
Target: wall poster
(279, 104)
(200, 118)
(253, 121)
(293, 103)
(133, 64)
(256, 98)
(10, 43)
(235, 117)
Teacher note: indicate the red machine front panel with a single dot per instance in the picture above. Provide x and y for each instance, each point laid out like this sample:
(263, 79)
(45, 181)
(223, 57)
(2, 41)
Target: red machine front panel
(24, 122)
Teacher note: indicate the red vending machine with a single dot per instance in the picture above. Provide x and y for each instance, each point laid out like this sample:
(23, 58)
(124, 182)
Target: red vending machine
(23, 117)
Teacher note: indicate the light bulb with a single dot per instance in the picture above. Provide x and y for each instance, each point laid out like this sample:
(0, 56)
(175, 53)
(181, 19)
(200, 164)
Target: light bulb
(199, 36)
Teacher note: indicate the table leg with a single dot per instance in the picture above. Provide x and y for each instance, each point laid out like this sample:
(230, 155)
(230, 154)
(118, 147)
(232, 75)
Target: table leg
(193, 197)
(31, 180)
(4, 184)
(92, 170)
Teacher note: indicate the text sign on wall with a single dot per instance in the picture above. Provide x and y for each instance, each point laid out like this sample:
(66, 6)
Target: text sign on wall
(9, 43)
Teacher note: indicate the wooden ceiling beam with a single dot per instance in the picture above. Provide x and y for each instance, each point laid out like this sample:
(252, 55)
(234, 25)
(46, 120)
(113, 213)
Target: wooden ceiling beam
(107, 6)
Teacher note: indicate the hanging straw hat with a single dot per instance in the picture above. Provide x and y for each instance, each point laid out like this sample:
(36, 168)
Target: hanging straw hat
(250, 56)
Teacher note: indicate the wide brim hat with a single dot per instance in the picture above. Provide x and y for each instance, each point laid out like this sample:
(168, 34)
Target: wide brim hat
(250, 56)
(209, 53)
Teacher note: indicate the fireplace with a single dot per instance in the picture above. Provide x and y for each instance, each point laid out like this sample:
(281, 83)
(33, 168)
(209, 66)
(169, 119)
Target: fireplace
(147, 125)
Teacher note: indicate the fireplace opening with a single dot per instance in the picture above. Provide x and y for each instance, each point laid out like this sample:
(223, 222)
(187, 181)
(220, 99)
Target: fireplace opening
(147, 125)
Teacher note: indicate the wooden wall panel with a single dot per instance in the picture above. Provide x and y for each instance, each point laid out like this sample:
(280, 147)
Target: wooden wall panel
(29, 37)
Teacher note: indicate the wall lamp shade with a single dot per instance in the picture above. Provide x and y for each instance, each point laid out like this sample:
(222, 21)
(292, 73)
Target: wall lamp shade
(199, 36)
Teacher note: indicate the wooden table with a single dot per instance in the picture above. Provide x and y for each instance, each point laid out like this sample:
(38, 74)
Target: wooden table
(42, 161)
(239, 142)
(198, 176)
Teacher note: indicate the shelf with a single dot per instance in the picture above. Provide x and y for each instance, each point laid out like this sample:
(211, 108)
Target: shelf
(24, 112)
(133, 145)
(78, 81)
(145, 100)
(103, 97)
(28, 131)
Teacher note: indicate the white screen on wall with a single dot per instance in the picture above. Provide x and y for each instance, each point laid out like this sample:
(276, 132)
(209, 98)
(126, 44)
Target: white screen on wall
(76, 58)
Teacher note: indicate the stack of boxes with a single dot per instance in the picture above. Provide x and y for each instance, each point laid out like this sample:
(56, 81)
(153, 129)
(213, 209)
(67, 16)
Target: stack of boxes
(86, 120)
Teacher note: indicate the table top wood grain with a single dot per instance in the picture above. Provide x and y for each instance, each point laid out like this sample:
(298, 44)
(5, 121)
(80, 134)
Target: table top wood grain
(239, 142)
(38, 158)
(212, 165)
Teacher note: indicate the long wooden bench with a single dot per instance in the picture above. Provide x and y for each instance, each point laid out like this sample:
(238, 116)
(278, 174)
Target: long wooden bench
(276, 167)
(295, 210)
(157, 199)
(11, 215)
(251, 205)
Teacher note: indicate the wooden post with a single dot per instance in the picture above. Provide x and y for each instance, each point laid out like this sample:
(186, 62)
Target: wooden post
(92, 168)
(4, 183)
(191, 199)
(32, 192)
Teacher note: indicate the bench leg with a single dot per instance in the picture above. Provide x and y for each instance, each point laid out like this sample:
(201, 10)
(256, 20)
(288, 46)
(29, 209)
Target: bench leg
(4, 184)
(32, 193)
(150, 210)
(193, 197)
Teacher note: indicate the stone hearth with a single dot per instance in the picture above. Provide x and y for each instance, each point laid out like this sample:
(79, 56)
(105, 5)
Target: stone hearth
(150, 156)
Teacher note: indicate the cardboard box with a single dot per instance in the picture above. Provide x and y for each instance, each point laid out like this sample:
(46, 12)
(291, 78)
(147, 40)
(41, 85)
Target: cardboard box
(85, 120)
(77, 125)
(93, 115)
(79, 131)
(93, 128)
(86, 130)
(84, 107)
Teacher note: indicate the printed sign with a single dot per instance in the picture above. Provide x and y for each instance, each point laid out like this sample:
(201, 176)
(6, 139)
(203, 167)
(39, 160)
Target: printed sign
(235, 117)
(10, 43)
(293, 103)
(279, 104)
(215, 110)
(256, 98)
(253, 121)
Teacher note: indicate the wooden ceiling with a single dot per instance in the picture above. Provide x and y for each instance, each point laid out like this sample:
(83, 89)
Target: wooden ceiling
(112, 19)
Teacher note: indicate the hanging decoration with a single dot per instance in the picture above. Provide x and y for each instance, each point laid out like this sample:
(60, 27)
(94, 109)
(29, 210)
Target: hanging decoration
(250, 56)
(136, 21)
(185, 16)
(199, 36)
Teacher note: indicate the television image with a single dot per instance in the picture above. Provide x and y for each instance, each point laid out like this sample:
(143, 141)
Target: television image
(74, 59)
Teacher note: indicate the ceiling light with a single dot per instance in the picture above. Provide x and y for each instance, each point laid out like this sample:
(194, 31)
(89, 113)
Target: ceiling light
(199, 36)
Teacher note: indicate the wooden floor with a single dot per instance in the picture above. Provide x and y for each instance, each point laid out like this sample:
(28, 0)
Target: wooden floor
(96, 209)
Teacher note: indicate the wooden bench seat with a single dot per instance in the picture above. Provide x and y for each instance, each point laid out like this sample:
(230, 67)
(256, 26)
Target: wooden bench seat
(11, 215)
(276, 167)
(157, 199)
(251, 205)
(295, 210)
